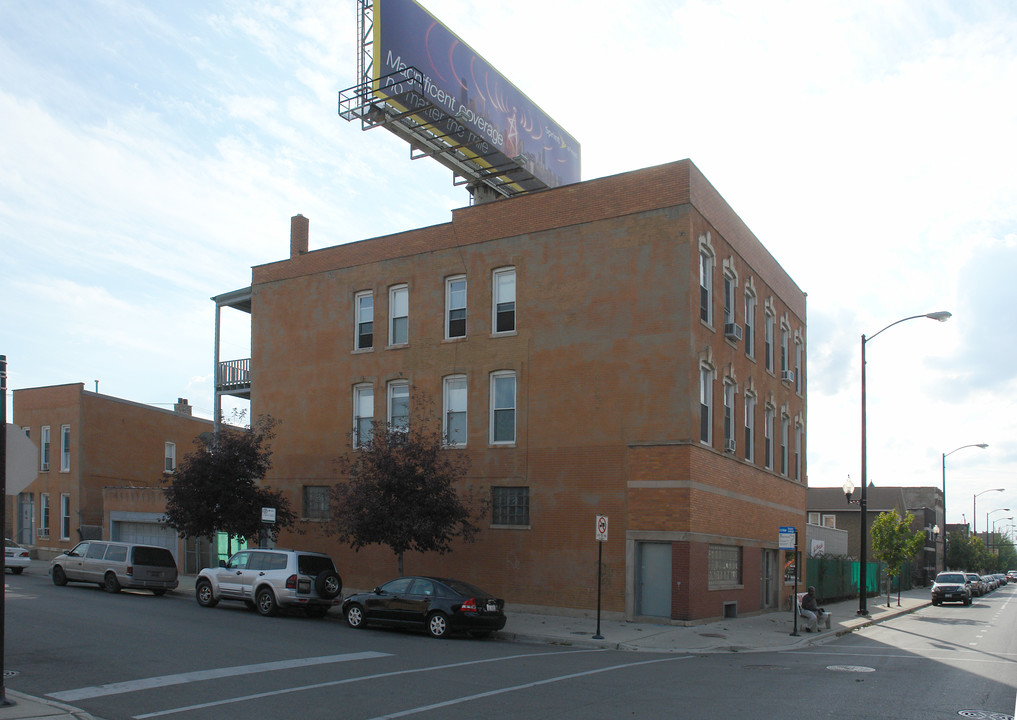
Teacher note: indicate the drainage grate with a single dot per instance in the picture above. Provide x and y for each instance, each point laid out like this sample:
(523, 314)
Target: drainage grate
(984, 715)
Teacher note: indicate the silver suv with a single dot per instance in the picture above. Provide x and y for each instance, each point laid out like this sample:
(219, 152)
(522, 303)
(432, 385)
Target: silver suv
(271, 579)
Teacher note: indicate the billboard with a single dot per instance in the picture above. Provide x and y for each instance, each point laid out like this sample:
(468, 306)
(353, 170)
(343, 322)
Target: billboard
(462, 98)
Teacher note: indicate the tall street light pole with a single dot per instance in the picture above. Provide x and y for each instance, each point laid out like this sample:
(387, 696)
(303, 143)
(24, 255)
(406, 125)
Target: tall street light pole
(974, 509)
(945, 455)
(940, 316)
(988, 536)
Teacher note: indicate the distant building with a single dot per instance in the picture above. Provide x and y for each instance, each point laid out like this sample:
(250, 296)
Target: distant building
(101, 465)
(622, 347)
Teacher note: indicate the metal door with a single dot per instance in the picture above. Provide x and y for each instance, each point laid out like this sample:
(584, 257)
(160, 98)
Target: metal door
(653, 581)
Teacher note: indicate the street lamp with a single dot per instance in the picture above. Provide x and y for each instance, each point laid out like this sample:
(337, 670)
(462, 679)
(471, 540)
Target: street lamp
(988, 537)
(974, 509)
(940, 316)
(945, 533)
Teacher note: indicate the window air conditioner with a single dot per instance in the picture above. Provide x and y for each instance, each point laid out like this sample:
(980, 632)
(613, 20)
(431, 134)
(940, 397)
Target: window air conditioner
(788, 376)
(729, 446)
(733, 331)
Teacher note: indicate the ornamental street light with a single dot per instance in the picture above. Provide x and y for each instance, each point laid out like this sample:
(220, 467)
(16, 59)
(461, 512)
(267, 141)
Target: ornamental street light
(945, 455)
(988, 537)
(974, 509)
(939, 316)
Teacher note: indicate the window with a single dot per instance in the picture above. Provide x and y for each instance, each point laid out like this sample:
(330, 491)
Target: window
(454, 415)
(503, 407)
(705, 285)
(364, 302)
(725, 565)
(783, 350)
(729, 402)
(504, 300)
(798, 365)
(65, 448)
(750, 321)
(44, 515)
(316, 502)
(399, 315)
(798, 452)
(705, 405)
(170, 458)
(730, 283)
(44, 442)
(813, 518)
(768, 340)
(363, 414)
(785, 425)
(455, 307)
(65, 516)
(750, 425)
(510, 506)
(830, 521)
(768, 438)
(399, 405)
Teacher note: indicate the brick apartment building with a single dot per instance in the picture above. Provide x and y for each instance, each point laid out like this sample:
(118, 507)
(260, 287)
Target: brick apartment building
(623, 347)
(101, 461)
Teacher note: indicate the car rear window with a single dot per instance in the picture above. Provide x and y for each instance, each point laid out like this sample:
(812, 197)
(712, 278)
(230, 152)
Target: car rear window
(464, 588)
(952, 578)
(314, 564)
(153, 556)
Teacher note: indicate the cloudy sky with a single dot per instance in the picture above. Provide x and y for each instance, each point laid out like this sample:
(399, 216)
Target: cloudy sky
(152, 152)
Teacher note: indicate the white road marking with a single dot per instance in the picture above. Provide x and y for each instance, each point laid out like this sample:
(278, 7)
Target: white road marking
(346, 681)
(199, 675)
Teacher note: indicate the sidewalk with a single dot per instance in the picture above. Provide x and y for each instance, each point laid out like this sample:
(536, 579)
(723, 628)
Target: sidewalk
(759, 633)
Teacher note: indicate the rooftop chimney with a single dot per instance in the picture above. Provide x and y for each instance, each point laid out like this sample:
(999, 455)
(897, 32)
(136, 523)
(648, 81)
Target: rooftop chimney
(298, 235)
(182, 407)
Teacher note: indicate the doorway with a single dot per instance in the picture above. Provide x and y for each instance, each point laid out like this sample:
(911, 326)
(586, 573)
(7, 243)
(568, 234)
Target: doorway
(653, 581)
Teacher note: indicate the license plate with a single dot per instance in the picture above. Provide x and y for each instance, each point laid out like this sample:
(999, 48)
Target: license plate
(492, 606)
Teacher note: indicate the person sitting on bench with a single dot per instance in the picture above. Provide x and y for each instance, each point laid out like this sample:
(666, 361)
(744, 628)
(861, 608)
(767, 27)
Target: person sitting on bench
(810, 610)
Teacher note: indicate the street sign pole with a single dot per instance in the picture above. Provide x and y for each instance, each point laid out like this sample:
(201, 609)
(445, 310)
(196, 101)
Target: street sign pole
(787, 539)
(4, 702)
(601, 539)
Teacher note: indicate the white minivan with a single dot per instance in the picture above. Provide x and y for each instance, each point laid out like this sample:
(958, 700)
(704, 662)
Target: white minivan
(116, 565)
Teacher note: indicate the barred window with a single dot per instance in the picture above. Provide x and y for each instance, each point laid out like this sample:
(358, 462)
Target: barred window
(725, 563)
(316, 502)
(510, 506)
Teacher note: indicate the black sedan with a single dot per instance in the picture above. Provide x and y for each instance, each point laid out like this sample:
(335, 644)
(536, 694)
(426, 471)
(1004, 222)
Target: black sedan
(439, 605)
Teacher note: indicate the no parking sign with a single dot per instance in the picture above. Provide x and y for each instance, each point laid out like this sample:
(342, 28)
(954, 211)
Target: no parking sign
(602, 528)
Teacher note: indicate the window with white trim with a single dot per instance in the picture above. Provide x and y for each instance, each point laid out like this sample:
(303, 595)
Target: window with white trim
(455, 307)
(750, 425)
(65, 448)
(503, 407)
(798, 365)
(44, 515)
(363, 413)
(785, 442)
(399, 315)
(454, 410)
(768, 417)
(784, 359)
(44, 443)
(65, 516)
(730, 285)
(706, 405)
(510, 506)
(170, 458)
(799, 434)
(750, 322)
(503, 303)
(813, 518)
(364, 304)
(729, 409)
(768, 339)
(706, 262)
(399, 405)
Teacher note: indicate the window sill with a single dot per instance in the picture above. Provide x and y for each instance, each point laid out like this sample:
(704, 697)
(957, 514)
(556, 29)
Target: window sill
(397, 346)
(359, 351)
(462, 338)
(507, 333)
(510, 527)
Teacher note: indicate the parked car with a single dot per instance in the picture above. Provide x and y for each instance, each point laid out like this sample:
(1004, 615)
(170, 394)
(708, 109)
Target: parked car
(268, 580)
(979, 586)
(951, 587)
(439, 605)
(990, 582)
(116, 565)
(1011, 576)
(16, 557)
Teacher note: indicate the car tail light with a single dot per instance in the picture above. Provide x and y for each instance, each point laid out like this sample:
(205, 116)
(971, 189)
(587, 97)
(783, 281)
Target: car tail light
(291, 582)
(130, 570)
(469, 606)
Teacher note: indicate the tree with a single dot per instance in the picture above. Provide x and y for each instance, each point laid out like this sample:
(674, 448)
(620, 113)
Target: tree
(895, 543)
(215, 488)
(401, 490)
(966, 552)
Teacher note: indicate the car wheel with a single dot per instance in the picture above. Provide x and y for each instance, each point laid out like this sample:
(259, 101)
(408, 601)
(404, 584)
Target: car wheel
(17, 571)
(355, 616)
(328, 584)
(437, 625)
(59, 576)
(204, 595)
(967, 601)
(110, 583)
(935, 602)
(266, 603)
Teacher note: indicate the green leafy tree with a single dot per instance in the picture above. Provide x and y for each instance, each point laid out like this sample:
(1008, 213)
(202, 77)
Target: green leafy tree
(402, 491)
(895, 543)
(216, 488)
(966, 552)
